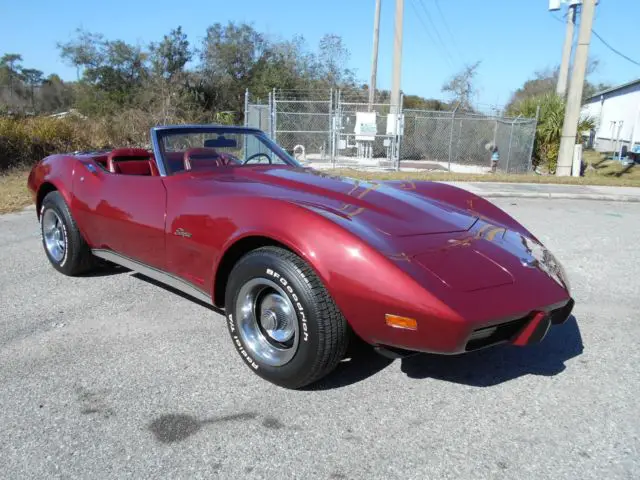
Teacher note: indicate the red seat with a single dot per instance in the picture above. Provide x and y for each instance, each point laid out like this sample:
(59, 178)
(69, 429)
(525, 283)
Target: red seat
(131, 161)
(196, 158)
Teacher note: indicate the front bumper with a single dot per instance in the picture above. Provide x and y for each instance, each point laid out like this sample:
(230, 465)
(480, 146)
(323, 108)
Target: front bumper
(524, 330)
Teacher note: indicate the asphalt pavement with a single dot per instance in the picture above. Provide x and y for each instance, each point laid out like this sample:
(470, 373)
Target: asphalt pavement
(111, 375)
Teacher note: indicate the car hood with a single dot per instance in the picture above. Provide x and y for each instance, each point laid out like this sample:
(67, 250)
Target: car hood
(386, 208)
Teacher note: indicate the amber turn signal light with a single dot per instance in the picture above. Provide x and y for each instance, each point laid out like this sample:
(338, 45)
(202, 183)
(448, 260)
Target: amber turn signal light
(397, 321)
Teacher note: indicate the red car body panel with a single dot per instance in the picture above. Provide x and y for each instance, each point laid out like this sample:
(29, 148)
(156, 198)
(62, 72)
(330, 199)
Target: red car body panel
(432, 252)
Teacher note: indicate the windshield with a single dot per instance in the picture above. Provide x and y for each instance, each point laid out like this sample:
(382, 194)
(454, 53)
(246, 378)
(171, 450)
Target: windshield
(206, 148)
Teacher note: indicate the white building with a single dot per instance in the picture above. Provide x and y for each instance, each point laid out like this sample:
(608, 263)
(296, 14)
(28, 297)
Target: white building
(616, 112)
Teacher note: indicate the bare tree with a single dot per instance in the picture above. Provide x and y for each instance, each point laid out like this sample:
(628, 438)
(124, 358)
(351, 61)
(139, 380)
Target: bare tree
(461, 86)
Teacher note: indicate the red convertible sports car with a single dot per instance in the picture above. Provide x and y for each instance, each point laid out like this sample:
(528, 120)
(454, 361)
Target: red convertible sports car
(300, 260)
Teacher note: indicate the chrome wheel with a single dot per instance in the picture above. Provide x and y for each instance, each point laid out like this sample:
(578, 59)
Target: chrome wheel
(54, 235)
(267, 322)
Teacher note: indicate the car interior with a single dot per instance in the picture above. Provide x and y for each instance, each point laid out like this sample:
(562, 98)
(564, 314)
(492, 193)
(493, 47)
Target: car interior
(141, 162)
(137, 161)
(129, 161)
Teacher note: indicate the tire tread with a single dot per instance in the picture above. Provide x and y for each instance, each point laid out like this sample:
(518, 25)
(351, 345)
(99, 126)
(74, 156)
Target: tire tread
(80, 260)
(332, 327)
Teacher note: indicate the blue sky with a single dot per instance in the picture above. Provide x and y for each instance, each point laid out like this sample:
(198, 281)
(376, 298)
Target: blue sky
(512, 38)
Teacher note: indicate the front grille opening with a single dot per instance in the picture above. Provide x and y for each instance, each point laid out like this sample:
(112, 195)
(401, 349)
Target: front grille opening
(560, 315)
(503, 332)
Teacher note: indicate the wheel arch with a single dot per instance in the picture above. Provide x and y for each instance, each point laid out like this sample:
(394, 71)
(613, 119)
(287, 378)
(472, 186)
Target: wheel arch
(54, 173)
(233, 253)
(46, 188)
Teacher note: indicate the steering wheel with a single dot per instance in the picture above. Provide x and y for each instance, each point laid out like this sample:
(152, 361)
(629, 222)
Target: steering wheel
(208, 157)
(256, 155)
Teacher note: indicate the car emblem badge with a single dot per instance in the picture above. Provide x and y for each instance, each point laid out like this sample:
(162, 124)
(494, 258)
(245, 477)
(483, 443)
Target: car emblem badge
(182, 233)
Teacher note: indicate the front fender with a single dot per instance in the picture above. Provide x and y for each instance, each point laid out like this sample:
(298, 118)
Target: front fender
(364, 281)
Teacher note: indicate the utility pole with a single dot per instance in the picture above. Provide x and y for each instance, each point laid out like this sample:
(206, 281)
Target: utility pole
(576, 86)
(397, 57)
(563, 77)
(374, 57)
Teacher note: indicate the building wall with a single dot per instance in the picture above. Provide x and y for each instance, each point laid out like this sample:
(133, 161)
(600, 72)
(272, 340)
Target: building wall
(617, 116)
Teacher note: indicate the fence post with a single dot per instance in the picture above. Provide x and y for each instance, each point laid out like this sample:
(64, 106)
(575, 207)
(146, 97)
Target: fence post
(453, 119)
(246, 107)
(458, 142)
(275, 116)
(533, 140)
(246, 121)
(335, 128)
(270, 115)
(399, 129)
(495, 131)
(330, 145)
(511, 141)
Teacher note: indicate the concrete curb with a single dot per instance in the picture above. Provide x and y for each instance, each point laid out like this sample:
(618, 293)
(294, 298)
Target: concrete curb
(564, 196)
(551, 191)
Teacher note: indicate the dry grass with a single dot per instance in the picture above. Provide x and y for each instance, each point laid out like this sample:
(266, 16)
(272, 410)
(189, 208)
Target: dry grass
(604, 172)
(13, 190)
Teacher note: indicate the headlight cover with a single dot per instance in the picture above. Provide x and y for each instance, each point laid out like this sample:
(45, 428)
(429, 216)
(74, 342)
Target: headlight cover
(552, 266)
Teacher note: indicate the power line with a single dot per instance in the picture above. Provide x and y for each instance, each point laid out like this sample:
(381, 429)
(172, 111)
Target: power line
(614, 50)
(606, 44)
(437, 41)
(427, 31)
(446, 26)
(433, 25)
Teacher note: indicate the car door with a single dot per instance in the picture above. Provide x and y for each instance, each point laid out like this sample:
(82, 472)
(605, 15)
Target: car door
(197, 226)
(122, 213)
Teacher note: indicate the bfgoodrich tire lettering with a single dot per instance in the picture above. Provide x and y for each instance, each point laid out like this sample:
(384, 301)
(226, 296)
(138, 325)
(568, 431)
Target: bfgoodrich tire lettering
(73, 256)
(322, 332)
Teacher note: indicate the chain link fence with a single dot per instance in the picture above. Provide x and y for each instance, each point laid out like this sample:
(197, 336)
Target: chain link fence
(341, 129)
(464, 142)
(303, 126)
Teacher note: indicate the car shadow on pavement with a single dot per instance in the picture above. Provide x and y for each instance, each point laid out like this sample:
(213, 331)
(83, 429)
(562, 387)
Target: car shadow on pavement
(175, 291)
(106, 270)
(500, 364)
(360, 362)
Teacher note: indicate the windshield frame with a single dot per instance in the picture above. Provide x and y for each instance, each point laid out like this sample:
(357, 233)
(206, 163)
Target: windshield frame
(158, 134)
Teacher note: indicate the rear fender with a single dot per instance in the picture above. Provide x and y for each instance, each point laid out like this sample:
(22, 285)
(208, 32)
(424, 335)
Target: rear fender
(56, 170)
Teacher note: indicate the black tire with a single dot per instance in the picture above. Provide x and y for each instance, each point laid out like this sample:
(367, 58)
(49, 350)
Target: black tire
(323, 331)
(76, 257)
